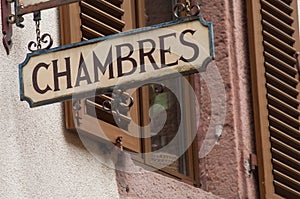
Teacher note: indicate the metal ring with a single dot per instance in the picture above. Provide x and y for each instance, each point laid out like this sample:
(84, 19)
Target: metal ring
(106, 108)
(180, 7)
(197, 11)
(11, 19)
(130, 104)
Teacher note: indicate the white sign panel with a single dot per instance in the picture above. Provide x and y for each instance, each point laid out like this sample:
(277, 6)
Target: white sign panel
(184, 46)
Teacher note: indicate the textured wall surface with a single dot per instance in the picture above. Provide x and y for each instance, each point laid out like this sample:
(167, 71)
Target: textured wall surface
(38, 158)
(224, 171)
(134, 183)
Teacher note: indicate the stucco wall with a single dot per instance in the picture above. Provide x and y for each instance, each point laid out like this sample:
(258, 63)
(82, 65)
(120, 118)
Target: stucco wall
(135, 183)
(38, 158)
(224, 171)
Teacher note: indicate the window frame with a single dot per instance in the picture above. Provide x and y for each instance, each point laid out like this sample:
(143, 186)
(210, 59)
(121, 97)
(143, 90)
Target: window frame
(69, 17)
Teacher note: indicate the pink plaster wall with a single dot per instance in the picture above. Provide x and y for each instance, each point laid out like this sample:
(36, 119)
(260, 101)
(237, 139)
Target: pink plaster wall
(137, 183)
(223, 172)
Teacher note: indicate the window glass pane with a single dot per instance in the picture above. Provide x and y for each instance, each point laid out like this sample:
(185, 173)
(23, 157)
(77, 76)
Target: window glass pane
(164, 105)
(165, 101)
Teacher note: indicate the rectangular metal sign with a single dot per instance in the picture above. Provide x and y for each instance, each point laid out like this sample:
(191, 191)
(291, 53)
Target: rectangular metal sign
(28, 6)
(99, 65)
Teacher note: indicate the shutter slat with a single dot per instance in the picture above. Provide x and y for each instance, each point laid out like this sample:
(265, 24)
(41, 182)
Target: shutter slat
(288, 2)
(279, 53)
(286, 169)
(282, 85)
(277, 22)
(283, 116)
(116, 2)
(89, 33)
(280, 64)
(107, 7)
(280, 103)
(283, 96)
(287, 127)
(284, 76)
(99, 26)
(102, 16)
(291, 151)
(287, 180)
(279, 43)
(282, 6)
(278, 33)
(286, 191)
(285, 137)
(292, 162)
(98, 106)
(276, 12)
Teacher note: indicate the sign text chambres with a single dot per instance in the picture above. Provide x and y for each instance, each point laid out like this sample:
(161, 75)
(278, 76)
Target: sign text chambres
(126, 58)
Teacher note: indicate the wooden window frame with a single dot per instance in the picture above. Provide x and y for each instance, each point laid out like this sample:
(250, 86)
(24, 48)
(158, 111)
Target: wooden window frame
(189, 126)
(69, 17)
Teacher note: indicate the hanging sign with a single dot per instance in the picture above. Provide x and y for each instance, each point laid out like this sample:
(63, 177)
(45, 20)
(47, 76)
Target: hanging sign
(28, 6)
(181, 47)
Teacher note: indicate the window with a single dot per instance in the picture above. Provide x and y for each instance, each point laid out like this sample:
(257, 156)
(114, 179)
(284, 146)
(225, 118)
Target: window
(154, 118)
(274, 41)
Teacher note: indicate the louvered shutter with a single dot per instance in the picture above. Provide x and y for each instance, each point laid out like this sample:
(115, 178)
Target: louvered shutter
(101, 18)
(87, 20)
(274, 41)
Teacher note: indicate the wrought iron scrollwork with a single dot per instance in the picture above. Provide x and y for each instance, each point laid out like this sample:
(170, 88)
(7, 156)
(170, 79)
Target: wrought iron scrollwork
(46, 38)
(191, 8)
(36, 46)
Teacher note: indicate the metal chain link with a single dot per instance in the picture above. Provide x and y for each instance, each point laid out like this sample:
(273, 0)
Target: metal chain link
(38, 34)
(44, 38)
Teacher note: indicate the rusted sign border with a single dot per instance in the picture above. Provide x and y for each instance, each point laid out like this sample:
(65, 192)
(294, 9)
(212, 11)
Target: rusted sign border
(131, 32)
(21, 9)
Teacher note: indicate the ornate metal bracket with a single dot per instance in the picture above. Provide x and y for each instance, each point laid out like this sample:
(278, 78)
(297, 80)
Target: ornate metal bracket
(190, 7)
(6, 26)
(7, 20)
(45, 38)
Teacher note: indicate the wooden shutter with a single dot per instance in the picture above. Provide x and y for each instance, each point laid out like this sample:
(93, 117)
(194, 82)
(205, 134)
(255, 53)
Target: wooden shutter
(87, 20)
(274, 41)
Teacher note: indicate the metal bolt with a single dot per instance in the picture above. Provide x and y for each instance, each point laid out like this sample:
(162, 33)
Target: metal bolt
(11, 19)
